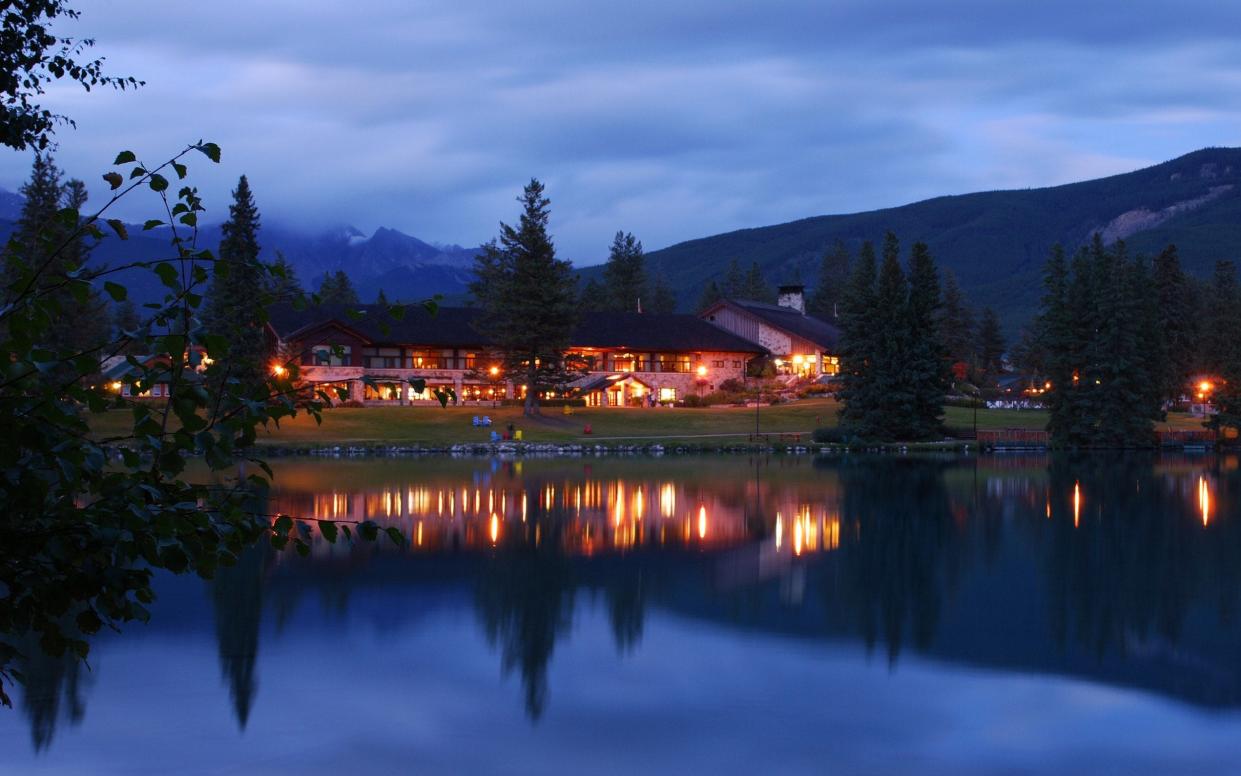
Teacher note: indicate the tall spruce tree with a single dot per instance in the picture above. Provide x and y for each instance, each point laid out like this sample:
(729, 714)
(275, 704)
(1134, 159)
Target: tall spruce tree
(734, 284)
(236, 303)
(528, 298)
(860, 413)
(624, 275)
(756, 286)
(892, 384)
(991, 343)
(1176, 340)
(283, 284)
(1222, 335)
(824, 301)
(1054, 336)
(956, 323)
(925, 366)
(663, 298)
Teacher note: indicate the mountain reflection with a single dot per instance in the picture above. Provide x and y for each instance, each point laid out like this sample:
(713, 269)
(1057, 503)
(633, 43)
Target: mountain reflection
(1123, 570)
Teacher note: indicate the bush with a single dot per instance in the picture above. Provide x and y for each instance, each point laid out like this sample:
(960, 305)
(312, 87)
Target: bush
(693, 400)
(349, 403)
(816, 389)
(833, 435)
(732, 385)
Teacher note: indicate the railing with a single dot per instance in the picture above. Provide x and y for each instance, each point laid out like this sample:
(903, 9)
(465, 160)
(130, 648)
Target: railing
(1013, 437)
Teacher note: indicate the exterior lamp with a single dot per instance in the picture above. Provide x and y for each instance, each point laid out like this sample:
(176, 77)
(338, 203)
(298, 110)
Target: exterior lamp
(798, 360)
(1205, 386)
(278, 370)
(494, 371)
(116, 386)
(702, 372)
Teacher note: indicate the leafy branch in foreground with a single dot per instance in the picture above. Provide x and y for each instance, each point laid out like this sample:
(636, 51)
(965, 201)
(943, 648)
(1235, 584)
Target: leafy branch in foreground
(87, 521)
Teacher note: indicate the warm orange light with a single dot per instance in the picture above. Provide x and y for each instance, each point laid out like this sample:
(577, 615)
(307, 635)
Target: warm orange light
(702, 371)
(798, 360)
(278, 370)
(702, 522)
(779, 530)
(1204, 500)
(1205, 386)
(116, 386)
(1077, 503)
(493, 371)
(495, 527)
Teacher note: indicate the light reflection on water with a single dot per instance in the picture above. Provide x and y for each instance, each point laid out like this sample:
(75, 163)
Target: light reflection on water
(1087, 607)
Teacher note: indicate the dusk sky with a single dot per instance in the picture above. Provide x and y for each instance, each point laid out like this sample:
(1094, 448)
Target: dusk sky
(673, 120)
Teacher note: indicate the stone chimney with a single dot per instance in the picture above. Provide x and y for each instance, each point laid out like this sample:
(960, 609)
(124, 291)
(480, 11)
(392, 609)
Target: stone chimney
(792, 297)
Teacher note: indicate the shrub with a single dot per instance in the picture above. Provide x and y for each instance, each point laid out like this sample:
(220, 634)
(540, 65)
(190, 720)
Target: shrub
(732, 385)
(833, 435)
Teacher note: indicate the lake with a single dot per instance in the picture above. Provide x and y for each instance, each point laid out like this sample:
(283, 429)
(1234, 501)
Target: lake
(728, 614)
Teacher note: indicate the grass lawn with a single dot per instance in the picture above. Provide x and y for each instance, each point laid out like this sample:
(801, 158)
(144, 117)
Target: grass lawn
(435, 426)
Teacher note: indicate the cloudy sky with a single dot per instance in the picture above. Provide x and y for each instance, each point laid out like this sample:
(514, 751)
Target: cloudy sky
(673, 120)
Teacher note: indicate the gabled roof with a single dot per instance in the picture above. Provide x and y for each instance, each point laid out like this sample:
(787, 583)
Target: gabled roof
(788, 320)
(601, 382)
(453, 327)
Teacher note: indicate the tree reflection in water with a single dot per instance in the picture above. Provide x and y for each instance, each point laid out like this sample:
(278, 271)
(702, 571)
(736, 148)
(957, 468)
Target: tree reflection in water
(978, 562)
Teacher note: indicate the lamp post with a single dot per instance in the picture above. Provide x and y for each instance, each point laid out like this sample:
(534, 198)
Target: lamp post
(494, 373)
(701, 372)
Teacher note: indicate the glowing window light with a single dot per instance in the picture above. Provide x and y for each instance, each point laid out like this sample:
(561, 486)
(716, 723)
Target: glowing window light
(779, 530)
(639, 504)
(495, 527)
(797, 536)
(419, 533)
(702, 522)
(1077, 503)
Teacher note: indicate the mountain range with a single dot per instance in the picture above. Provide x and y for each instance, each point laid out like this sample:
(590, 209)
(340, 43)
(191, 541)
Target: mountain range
(995, 242)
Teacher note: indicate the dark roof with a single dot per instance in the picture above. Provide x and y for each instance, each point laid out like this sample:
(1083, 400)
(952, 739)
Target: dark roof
(816, 330)
(453, 327)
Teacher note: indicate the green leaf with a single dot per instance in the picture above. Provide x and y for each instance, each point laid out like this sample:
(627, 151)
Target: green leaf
(302, 547)
(168, 275)
(114, 180)
(368, 530)
(210, 150)
(115, 290)
(327, 529)
(153, 223)
(395, 535)
(180, 168)
(119, 227)
(157, 182)
(283, 524)
(125, 157)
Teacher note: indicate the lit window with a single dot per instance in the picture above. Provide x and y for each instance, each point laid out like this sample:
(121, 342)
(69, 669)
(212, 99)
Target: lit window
(667, 394)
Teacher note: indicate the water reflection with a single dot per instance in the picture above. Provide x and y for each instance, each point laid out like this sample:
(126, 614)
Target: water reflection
(1120, 570)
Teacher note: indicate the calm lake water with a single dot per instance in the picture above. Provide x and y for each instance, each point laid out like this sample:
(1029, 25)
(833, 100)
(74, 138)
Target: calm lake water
(690, 615)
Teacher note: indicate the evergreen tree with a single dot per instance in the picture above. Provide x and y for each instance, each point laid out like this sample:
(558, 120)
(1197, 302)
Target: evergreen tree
(892, 384)
(594, 296)
(37, 232)
(858, 336)
(236, 303)
(735, 284)
(711, 293)
(991, 343)
(624, 276)
(337, 288)
(925, 367)
(756, 286)
(529, 299)
(382, 298)
(124, 318)
(282, 282)
(663, 299)
(825, 299)
(1176, 339)
(1054, 337)
(956, 323)
(1222, 345)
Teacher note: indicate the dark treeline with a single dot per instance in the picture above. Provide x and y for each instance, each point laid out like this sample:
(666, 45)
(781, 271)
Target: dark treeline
(1119, 340)
(738, 284)
(895, 368)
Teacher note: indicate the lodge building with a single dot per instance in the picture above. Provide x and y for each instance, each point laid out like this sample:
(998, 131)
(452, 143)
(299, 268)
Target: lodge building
(635, 359)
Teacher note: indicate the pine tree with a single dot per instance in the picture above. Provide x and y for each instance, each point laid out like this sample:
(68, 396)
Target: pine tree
(925, 366)
(82, 325)
(337, 288)
(824, 301)
(991, 343)
(236, 303)
(892, 384)
(711, 293)
(37, 232)
(1054, 336)
(124, 318)
(734, 285)
(381, 298)
(663, 299)
(956, 323)
(858, 335)
(594, 296)
(1222, 345)
(282, 282)
(756, 286)
(529, 299)
(624, 276)
(1176, 340)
